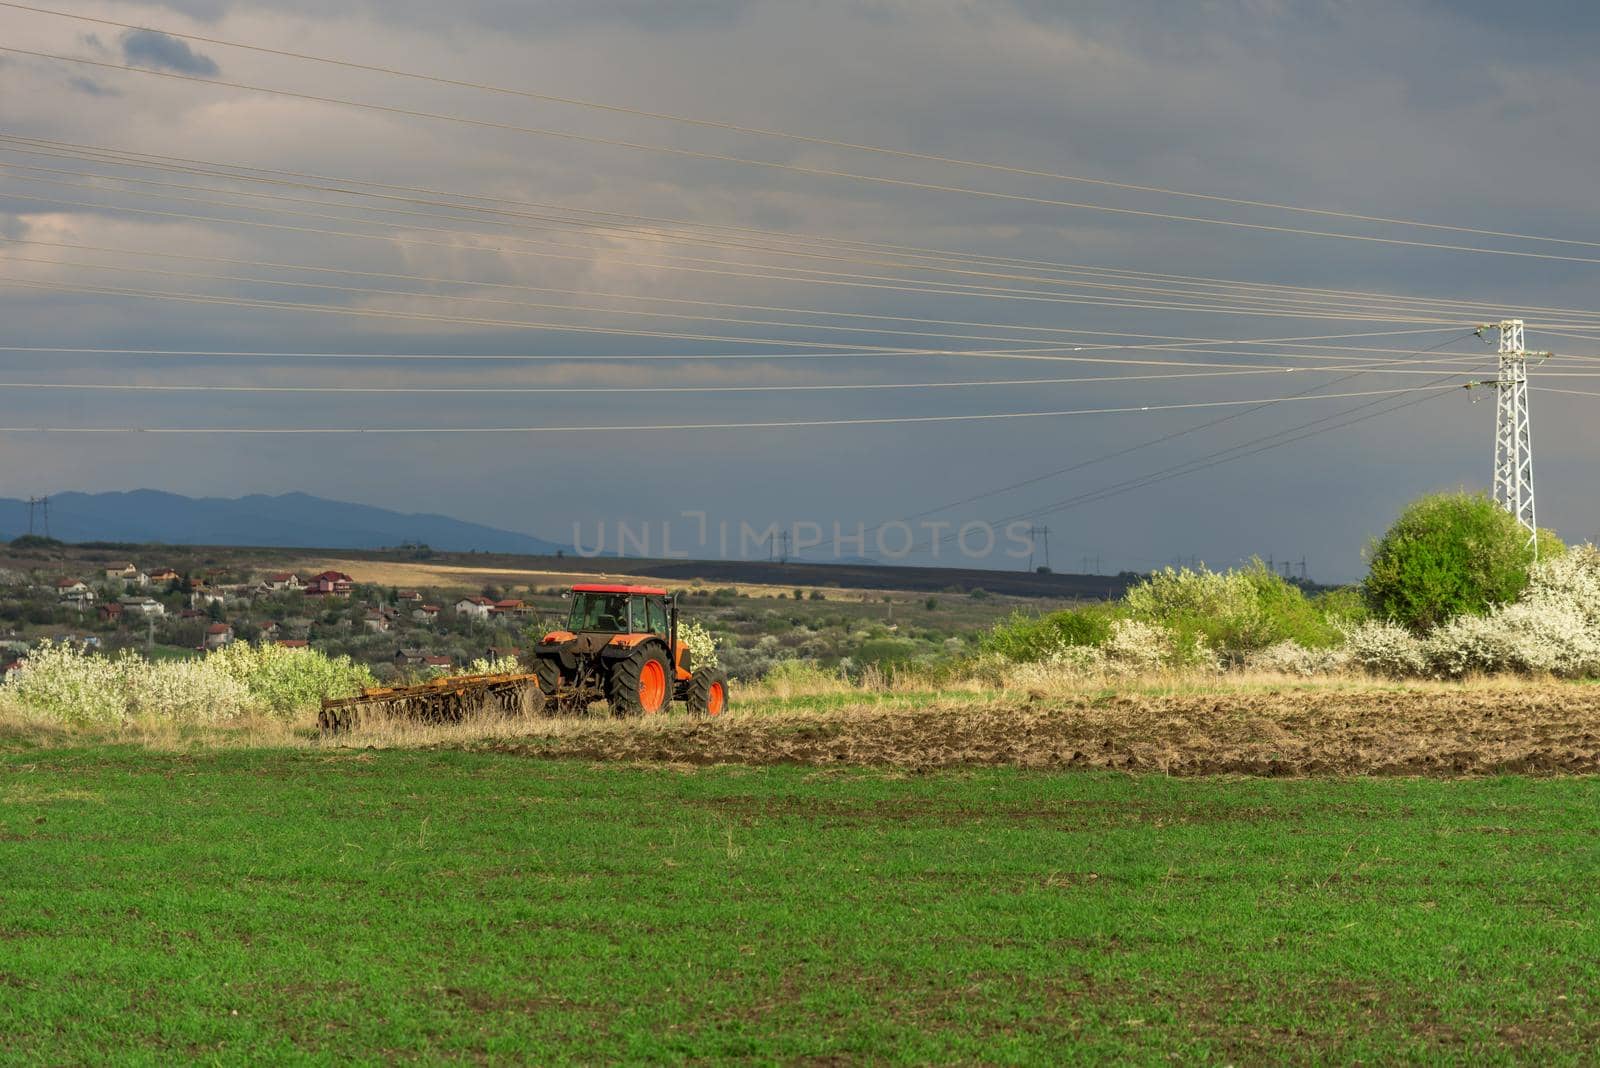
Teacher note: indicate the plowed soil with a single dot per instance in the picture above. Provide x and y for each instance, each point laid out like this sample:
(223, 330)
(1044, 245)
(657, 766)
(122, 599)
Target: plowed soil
(1540, 729)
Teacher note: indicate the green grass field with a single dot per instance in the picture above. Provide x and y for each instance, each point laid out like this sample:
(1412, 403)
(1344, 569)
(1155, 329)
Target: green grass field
(286, 905)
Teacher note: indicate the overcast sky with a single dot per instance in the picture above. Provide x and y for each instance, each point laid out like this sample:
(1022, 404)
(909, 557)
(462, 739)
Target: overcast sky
(1456, 113)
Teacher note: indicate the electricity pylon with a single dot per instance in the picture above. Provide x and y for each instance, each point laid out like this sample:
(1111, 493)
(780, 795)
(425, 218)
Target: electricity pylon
(1513, 428)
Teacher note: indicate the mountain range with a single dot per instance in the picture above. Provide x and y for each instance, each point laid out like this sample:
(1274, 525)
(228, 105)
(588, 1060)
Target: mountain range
(288, 520)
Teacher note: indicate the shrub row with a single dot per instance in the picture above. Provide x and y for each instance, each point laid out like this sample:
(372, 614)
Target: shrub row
(61, 682)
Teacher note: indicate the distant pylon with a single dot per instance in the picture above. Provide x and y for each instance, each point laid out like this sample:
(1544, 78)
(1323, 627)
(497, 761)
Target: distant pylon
(39, 503)
(1513, 430)
(1040, 538)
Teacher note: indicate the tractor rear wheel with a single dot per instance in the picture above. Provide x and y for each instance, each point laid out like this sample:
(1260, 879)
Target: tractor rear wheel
(707, 693)
(638, 686)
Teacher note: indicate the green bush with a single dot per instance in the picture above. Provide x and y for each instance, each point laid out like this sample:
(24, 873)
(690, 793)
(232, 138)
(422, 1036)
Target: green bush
(1289, 614)
(1449, 554)
(1346, 605)
(1232, 612)
(1026, 637)
(885, 652)
(289, 681)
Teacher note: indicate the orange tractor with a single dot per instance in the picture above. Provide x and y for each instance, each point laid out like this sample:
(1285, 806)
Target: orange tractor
(622, 646)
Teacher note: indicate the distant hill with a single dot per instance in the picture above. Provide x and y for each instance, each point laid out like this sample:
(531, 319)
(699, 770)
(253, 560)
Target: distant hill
(289, 520)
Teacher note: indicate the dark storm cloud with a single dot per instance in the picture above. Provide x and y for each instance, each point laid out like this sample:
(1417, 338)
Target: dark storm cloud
(147, 48)
(1473, 112)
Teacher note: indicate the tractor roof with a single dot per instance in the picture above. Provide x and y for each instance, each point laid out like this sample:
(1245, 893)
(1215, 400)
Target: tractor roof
(594, 587)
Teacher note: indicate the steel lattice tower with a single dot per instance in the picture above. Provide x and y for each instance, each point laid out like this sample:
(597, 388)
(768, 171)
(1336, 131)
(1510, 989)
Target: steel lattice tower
(1513, 431)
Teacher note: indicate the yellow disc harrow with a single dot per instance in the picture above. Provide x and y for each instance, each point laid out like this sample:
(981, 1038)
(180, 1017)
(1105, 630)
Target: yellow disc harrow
(445, 700)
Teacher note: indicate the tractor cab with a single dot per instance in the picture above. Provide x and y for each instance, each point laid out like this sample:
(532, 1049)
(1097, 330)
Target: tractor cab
(610, 611)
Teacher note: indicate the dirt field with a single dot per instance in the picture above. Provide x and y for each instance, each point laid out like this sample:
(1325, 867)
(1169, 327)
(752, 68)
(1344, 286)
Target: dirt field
(1540, 729)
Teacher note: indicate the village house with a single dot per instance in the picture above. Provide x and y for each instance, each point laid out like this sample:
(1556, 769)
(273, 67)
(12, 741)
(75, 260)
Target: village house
(407, 598)
(11, 667)
(474, 607)
(293, 643)
(126, 572)
(75, 592)
(111, 613)
(269, 631)
(376, 622)
(164, 574)
(426, 614)
(281, 580)
(509, 608)
(329, 583)
(218, 635)
(438, 663)
(141, 606)
(409, 658)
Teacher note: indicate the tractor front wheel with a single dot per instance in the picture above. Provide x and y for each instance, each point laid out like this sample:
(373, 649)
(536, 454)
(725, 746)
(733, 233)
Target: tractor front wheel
(707, 693)
(638, 686)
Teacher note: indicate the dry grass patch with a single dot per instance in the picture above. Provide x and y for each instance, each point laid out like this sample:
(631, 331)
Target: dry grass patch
(1178, 725)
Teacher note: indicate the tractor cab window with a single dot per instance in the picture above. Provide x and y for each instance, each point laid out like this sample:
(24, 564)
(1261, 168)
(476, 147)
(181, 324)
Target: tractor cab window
(658, 616)
(636, 620)
(605, 612)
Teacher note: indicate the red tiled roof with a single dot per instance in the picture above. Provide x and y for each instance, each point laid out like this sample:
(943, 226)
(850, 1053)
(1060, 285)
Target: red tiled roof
(219, 628)
(294, 643)
(280, 576)
(66, 583)
(437, 661)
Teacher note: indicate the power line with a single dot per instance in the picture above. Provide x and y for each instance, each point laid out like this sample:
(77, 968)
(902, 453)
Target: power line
(1163, 439)
(319, 269)
(214, 276)
(1256, 293)
(190, 387)
(807, 275)
(745, 275)
(372, 291)
(789, 136)
(1220, 457)
(1568, 392)
(124, 157)
(771, 425)
(789, 167)
(1170, 342)
(195, 298)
